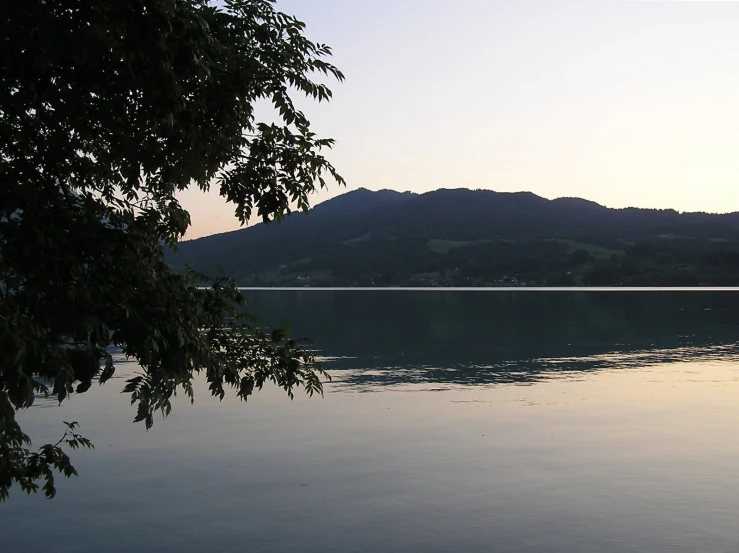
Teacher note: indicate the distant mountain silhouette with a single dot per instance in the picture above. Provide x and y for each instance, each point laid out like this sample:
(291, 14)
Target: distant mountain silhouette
(473, 237)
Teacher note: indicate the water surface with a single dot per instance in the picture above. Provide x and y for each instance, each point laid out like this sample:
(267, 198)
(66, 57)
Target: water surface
(478, 421)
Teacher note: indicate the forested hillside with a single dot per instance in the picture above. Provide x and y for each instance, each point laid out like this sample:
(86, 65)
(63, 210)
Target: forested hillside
(475, 238)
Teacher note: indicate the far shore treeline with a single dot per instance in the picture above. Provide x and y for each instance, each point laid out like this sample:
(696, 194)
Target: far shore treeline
(474, 238)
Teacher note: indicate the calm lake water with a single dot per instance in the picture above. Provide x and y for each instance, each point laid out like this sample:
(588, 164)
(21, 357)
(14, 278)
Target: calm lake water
(575, 422)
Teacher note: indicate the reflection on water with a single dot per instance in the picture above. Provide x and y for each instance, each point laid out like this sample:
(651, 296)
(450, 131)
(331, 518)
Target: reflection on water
(373, 338)
(505, 422)
(526, 371)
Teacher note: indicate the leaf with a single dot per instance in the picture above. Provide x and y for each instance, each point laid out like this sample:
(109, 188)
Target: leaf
(107, 130)
(109, 369)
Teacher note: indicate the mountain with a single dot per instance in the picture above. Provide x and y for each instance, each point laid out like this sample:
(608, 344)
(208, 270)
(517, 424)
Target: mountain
(474, 237)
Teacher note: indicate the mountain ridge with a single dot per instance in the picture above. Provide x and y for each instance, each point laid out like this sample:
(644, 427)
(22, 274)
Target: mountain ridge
(367, 237)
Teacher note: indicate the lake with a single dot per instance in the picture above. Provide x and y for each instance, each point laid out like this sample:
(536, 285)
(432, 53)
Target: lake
(506, 421)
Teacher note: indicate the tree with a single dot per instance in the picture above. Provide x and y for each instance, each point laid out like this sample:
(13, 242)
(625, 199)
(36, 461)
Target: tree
(107, 110)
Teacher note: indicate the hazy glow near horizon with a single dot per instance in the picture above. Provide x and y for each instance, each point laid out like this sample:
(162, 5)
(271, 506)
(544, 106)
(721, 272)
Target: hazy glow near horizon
(622, 103)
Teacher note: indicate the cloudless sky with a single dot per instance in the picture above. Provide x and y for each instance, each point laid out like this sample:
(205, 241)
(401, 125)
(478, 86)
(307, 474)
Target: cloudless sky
(625, 103)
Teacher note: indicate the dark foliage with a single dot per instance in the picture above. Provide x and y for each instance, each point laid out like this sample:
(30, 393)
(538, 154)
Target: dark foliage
(107, 110)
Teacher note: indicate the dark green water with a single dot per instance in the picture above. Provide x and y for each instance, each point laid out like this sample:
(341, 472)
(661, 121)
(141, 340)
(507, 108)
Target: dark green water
(481, 337)
(457, 421)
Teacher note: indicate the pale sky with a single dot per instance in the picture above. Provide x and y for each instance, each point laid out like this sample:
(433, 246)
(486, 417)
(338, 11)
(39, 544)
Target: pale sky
(625, 103)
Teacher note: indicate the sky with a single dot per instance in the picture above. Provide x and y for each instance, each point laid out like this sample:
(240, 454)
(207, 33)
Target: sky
(626, 103)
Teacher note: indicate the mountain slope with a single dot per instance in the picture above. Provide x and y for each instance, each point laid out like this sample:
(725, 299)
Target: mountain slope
(470, 237)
